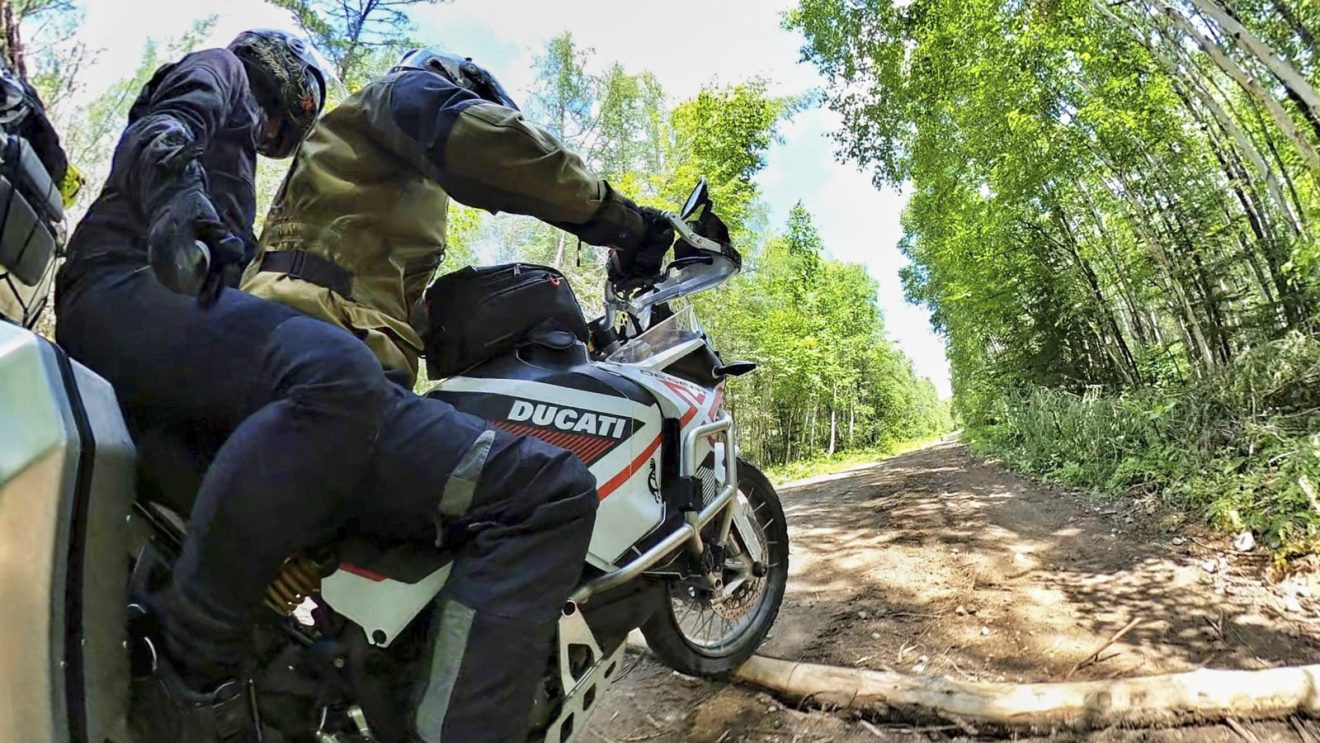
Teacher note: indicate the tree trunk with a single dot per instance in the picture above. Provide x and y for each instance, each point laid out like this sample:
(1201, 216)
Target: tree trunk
(852, 420)
(559, 251)
(1124, 284)
(1080, 705)
(810, 428)
(1297, 208)
(1190, 325)
(1248, 83)
(1307, 98)
(788, 437)
(1127, 362)
(1286, 12)
(1230, 126)
(12, 40)
(833, 427)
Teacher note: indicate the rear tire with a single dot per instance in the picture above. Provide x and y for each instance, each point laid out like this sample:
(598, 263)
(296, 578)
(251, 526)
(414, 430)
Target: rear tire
(664, 632)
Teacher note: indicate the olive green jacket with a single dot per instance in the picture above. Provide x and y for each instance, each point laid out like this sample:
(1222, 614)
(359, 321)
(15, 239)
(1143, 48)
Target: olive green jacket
(369, 189)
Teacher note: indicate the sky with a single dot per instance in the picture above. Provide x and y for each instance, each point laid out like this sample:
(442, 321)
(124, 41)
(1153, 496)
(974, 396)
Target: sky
(689, 44)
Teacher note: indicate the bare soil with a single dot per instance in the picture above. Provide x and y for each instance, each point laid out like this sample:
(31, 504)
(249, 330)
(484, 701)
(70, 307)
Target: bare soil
(936, 562)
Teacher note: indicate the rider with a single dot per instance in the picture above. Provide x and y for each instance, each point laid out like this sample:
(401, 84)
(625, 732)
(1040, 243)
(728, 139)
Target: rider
(180, 199)
(354, 236)
(358, 229)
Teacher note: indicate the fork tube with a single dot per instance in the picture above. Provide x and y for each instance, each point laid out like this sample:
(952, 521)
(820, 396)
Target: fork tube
(694, 544)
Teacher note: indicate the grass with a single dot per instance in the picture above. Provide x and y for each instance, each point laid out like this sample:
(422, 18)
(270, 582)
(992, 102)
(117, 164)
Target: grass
(825, 465)
(1240, 450)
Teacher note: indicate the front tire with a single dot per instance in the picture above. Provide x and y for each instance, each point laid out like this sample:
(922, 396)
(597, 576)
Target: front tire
(670, 634)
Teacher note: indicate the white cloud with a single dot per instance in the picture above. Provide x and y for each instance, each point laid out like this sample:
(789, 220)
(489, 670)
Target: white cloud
(118, 29)
(686, 43)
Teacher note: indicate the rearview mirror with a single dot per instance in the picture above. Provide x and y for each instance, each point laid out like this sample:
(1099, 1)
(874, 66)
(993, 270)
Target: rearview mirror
(700, 196)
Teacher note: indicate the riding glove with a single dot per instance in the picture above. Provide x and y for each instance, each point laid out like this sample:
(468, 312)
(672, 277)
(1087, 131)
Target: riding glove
(189, 248)
(644, 261)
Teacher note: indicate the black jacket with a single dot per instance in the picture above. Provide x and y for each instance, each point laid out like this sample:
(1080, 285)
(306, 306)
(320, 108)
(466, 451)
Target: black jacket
(195, 121)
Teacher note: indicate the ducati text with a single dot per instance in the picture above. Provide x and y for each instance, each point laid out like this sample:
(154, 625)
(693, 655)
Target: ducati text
(568, 419)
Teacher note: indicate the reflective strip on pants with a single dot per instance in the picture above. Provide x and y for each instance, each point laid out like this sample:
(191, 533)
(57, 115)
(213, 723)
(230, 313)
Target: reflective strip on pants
(446, 659)
(462, 483)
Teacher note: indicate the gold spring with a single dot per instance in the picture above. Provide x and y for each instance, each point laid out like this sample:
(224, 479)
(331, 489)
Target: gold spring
(297, 580)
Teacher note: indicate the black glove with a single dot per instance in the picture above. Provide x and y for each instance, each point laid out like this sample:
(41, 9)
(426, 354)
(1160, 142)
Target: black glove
(643, 262)
(189, 248)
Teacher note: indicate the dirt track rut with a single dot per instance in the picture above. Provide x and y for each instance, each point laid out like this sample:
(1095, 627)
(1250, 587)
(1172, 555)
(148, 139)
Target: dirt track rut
(936, 562)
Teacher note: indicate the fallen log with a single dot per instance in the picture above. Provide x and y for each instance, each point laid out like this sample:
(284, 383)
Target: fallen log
(1171, 699)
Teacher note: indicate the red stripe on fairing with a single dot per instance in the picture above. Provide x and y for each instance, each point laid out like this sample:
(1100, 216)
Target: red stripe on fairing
(689, 395)
(718, 404)
(587, 447)
(362, 572)
(632, 469)
(692, 399)
(600, 448)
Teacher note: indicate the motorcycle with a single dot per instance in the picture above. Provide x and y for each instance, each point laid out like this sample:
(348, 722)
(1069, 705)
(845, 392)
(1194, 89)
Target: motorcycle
(690, 543)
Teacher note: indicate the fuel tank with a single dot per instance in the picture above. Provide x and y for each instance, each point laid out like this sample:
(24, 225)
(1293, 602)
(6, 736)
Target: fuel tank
(612, 424)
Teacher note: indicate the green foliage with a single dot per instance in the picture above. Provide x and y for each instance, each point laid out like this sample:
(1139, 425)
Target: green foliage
(1112, 218)
(830, 381)
(1242, 449)
(357, 35)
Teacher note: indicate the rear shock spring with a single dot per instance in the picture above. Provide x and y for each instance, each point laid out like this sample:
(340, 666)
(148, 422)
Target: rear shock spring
(298, 580)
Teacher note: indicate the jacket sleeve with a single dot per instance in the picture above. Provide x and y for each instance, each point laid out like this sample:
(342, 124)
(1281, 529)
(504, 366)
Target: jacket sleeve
(487, 156)
(173, 120)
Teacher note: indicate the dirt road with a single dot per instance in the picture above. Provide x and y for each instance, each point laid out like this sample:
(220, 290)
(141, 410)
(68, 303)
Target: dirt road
(935, 562)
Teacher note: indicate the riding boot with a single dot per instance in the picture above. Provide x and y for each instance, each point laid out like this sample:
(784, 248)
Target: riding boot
(166, 710)
(205, 643)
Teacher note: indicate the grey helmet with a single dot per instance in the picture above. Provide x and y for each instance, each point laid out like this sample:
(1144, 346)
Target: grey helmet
(461, 71)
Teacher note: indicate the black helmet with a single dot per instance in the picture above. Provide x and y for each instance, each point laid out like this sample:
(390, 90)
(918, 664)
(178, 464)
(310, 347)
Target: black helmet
(461, 71)
(288, 81)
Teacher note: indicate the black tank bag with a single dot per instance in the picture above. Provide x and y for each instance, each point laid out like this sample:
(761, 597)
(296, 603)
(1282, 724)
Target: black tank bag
(474, 314)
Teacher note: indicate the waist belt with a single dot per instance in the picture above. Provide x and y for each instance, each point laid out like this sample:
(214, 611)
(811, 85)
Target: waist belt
(311, 268)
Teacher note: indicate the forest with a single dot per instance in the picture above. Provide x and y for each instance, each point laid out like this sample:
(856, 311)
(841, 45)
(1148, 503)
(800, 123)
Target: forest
(831, 383)
(1113, 220)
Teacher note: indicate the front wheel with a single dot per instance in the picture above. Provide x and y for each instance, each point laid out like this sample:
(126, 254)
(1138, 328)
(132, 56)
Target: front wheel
(703, 634)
